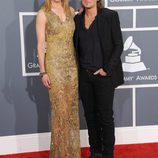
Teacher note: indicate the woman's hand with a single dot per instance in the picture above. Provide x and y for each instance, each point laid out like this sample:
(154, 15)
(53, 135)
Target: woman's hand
(46, 81)
(79, 11)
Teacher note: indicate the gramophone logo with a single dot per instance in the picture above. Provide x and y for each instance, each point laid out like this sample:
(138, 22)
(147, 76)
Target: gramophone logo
(133, 61)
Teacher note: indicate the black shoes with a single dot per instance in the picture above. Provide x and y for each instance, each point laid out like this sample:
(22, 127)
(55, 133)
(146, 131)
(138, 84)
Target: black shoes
(99, 155)
(95, 155)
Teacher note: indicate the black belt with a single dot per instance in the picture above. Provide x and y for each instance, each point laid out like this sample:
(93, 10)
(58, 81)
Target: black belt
(88, 70)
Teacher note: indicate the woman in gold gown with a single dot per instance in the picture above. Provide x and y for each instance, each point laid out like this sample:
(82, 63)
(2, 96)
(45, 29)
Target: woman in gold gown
(58, 71)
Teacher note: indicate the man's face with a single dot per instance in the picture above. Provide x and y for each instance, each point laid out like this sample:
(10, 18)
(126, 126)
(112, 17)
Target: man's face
(89, 3)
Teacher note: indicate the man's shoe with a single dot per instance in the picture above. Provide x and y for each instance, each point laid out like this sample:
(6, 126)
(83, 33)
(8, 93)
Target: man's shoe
(95, 155)
(107, 156)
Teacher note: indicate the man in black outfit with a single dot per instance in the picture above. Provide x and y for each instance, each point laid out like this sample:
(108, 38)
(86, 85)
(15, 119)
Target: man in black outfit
(99, 45)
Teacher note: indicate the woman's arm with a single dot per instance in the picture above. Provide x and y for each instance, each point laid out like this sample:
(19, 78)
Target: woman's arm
(40, 30)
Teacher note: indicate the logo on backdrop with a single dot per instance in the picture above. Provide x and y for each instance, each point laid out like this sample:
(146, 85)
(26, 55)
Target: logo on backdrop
(134, 67)
(131, 2)
(133, 61)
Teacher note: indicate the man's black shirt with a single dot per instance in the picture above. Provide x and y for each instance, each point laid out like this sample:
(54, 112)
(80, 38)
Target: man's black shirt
(90, 50)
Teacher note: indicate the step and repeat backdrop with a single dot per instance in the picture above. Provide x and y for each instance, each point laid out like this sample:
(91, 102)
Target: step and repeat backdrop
(24, 102)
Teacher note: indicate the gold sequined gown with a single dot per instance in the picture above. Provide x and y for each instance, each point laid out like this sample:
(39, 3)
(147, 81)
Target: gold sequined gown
(62, 70)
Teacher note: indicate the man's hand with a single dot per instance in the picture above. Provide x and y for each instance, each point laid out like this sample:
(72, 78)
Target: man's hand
(101, 72)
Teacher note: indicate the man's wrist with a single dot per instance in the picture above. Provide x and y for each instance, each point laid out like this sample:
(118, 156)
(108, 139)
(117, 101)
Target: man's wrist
(106, 71)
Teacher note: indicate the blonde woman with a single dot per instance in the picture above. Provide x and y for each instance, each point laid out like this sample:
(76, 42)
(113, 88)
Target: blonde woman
(58, 71)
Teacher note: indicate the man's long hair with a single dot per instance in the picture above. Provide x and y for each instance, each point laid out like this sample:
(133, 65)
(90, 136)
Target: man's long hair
(99, 4)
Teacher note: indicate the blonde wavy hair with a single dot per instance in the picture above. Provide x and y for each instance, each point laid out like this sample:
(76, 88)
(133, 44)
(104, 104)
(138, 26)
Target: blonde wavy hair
(48, 5)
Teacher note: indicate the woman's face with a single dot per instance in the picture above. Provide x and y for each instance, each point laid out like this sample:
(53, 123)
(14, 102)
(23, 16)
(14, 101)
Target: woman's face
(89, 3)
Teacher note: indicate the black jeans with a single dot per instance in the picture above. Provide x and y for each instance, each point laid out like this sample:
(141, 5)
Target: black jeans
(97, 93)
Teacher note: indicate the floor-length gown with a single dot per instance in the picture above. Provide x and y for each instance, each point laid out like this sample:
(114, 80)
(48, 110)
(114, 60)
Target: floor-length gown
(61, 67)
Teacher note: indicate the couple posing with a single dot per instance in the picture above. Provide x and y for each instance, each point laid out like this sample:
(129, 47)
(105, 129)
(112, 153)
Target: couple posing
(85, 49)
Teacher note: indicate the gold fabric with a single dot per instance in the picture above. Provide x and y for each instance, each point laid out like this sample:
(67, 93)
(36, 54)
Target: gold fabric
(62, 70)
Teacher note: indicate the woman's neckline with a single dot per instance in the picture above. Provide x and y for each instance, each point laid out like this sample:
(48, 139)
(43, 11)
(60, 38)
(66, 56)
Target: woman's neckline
(62, 21)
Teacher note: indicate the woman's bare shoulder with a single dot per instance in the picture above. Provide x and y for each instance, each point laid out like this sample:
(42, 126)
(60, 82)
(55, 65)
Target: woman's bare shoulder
(41, 13)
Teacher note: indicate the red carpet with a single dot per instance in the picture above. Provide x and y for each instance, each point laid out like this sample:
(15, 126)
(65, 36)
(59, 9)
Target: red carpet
(149, 150)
